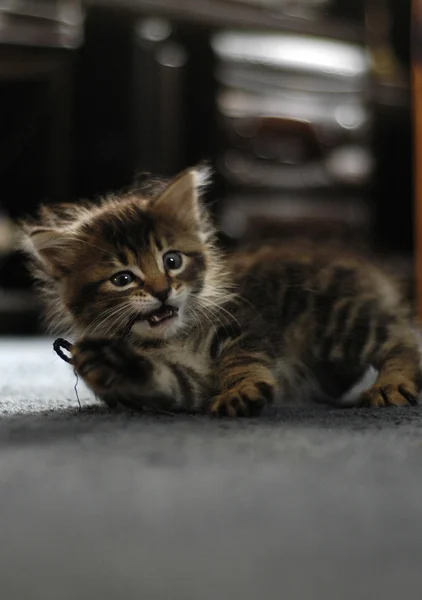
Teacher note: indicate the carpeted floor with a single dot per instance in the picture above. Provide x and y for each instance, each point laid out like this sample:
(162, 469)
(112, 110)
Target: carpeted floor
(323, 504)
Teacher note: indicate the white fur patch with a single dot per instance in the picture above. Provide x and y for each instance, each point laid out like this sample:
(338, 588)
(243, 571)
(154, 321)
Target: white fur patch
(352, 396)
(203, 177)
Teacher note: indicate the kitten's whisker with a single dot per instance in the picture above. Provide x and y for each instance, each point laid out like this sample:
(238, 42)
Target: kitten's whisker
(196, 320)
(118, 325)
(102, 317)
(222, 324)
(105, 316)
(217, 307)
(121, 318)
(238, 300)
(203, 314)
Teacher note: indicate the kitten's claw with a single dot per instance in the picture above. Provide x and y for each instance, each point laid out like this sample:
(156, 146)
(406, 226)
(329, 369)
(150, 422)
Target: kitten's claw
(401, 392)
(247, 399)
(109, 364)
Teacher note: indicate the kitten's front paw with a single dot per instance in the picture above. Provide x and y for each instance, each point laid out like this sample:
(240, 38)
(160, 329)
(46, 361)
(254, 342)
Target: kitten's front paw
(400, 392)
(246, 399)
(109, 364)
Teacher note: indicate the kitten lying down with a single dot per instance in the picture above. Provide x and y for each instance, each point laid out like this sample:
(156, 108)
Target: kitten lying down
(163, 320)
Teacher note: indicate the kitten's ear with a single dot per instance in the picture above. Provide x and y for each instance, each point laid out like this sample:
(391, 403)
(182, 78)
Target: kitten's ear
(181, 197)
(53, 247)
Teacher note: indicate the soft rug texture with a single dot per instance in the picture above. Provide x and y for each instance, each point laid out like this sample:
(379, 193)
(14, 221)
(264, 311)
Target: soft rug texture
(323, 504)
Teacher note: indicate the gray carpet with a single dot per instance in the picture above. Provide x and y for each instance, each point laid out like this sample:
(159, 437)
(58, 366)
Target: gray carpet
(322, 504)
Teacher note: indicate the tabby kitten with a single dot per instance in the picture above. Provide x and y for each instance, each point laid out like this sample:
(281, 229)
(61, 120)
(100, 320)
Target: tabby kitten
(163, 320)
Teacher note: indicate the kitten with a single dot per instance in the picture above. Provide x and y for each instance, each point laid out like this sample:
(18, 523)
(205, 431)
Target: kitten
(164, 320)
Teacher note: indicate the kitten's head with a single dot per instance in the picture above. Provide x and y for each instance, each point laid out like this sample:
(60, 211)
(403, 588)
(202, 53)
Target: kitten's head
(130, 263)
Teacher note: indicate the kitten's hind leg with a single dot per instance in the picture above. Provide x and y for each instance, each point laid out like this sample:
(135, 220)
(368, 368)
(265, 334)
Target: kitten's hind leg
(399, 380)
(364, 333)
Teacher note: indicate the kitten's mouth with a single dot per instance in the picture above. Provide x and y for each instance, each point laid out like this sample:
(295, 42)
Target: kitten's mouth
(164, 313)
(154, 318)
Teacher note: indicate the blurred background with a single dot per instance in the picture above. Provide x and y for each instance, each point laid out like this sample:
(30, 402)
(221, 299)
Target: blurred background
(303, 107)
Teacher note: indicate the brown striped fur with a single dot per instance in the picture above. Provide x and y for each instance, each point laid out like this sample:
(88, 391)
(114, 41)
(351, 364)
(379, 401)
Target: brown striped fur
(282, 324)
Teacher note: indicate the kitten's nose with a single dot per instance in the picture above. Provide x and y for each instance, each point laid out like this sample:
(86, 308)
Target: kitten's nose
(162, 294)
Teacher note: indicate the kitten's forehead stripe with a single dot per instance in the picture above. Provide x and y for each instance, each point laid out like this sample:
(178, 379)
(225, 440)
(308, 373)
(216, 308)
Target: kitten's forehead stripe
(121, 255)
(107, 258)
(158, 243)
(130, 230)
(195, 254)
(149, 265)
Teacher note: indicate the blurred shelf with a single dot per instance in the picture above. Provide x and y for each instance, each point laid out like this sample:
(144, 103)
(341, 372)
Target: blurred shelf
(45, 24)
(221, 13)
(20, 312)
(247, 215)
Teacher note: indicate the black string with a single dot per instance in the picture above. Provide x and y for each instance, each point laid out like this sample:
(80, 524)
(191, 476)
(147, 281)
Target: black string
(57, 346)
(75, 387)
(62, 343)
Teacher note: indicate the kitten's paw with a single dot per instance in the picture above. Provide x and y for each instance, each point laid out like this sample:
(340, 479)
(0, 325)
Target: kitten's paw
(246, 399)
(109, 364)
(400, 392)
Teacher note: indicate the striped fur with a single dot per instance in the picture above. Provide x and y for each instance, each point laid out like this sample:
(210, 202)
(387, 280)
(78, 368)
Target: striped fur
(278, 324)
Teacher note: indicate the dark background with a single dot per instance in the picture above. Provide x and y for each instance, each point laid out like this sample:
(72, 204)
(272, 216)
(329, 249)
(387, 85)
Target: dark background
(91, 97)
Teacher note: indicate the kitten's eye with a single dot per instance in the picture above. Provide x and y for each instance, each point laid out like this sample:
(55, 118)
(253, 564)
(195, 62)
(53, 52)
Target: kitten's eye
(172, 261)
(122, 279)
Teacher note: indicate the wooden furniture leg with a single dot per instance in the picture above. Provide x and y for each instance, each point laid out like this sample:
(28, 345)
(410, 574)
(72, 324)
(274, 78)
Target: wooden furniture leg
(417, 129)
